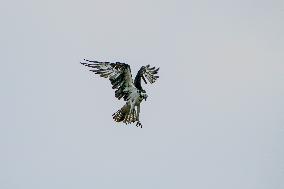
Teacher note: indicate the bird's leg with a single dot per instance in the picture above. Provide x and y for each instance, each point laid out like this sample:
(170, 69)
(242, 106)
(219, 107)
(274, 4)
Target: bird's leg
(133, 115)
(138, 124)
(138, 112)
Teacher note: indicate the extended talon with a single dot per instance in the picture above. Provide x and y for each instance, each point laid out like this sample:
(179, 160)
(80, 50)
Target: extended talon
(138, 124)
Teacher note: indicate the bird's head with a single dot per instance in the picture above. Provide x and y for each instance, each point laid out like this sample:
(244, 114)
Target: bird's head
(144, 96)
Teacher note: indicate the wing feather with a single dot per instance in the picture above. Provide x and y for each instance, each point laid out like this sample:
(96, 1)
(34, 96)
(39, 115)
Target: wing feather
(146, 71)
(118, 73)
(150, 73)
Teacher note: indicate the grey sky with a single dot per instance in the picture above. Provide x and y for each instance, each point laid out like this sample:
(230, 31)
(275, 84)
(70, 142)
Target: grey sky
(213, 120)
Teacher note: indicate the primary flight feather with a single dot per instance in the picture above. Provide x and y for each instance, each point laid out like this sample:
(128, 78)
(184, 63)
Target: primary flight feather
(131, 91)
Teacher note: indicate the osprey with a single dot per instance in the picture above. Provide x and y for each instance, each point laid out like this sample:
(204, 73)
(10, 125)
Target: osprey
(131, 91)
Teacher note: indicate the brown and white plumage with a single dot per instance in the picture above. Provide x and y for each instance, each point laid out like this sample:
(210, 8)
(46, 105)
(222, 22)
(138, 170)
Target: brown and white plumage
(131, 91)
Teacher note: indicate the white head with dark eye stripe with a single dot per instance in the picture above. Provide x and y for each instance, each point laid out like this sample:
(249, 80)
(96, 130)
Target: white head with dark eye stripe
(143, 95)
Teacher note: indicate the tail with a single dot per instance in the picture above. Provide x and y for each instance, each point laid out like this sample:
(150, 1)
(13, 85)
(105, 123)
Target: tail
(125, 115)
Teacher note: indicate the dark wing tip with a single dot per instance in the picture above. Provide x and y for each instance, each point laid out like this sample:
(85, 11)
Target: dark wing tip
(93, 61)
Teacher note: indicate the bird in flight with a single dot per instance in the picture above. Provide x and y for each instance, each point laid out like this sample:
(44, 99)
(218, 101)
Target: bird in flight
(131, 91)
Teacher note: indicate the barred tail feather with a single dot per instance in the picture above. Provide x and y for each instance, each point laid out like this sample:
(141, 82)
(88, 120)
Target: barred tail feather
(125, 115)
(120, 114)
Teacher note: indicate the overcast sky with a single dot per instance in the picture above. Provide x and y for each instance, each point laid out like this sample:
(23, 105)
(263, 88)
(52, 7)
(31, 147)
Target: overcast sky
(213, 120)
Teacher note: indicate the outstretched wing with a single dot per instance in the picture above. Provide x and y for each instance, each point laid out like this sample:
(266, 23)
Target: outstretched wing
(118, 73)
(149, 73)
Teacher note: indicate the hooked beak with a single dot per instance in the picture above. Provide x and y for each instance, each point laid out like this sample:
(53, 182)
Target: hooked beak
(144, 79)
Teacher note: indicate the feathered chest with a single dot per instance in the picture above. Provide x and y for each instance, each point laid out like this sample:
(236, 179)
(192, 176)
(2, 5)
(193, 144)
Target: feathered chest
(136, 97)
